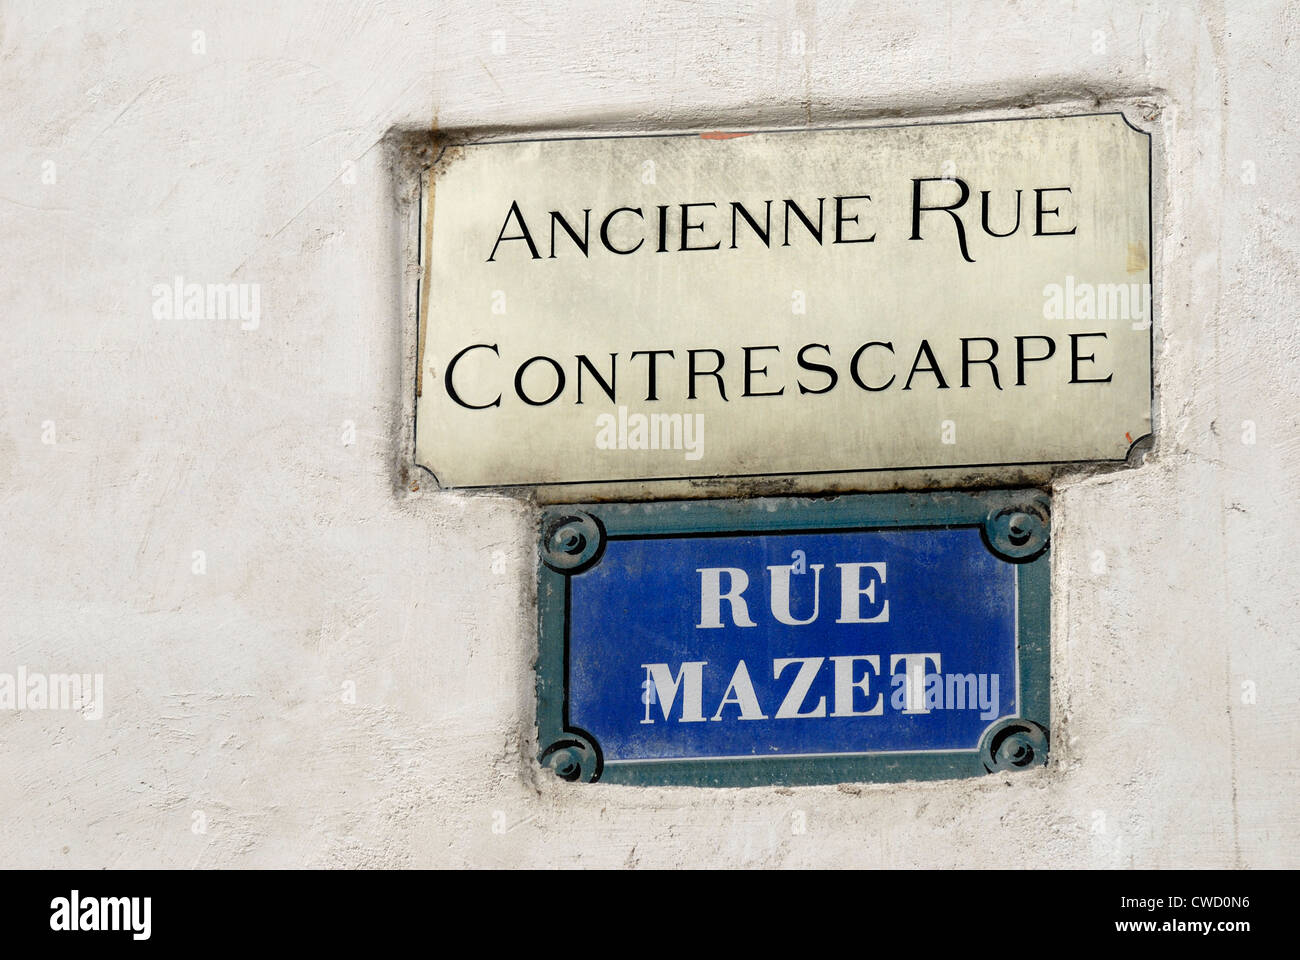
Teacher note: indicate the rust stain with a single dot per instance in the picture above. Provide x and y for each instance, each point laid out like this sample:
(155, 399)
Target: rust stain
(1128, 438)
(422, 321)
(1137, 258)
(719, 135)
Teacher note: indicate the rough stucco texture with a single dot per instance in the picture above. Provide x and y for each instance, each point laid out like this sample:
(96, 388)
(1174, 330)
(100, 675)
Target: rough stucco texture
(228, 735)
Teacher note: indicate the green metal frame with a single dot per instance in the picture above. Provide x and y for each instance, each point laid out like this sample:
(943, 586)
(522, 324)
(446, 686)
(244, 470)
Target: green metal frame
(1015, 525)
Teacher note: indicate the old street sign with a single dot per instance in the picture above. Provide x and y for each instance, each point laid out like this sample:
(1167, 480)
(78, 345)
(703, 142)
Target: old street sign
(939, 297)
(734, 642)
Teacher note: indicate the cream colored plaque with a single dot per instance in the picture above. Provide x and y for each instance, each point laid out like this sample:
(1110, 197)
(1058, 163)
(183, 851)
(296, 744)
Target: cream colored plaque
(907, 298)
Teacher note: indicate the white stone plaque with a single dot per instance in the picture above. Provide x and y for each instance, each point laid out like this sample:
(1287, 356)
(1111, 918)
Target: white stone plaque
(774, 304)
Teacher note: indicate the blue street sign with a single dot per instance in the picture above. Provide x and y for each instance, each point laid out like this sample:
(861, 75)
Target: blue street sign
(880, 637)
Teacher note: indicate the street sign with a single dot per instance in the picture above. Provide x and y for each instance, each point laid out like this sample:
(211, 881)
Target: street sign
(878, 637)
(943, 300)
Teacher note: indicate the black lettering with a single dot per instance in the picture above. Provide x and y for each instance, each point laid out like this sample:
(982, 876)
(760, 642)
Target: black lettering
(818, 368)
(761, 371)
(815, 231)
(984, 215)
(715, 373)
(523, 234)
(966, 361)
(853, 366)
(605, 385)
(581, 242)
(840, 220)
(765, 234)
(1021, 359)
(687, 226)
(932, 368)
(604, 230)
(451, 387)
(1075, 359)
(652, 371)
(519, 381)
(950, 209)
(1056, 211)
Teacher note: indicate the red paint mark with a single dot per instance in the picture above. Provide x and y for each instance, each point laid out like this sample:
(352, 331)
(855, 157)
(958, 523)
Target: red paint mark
(717, 135)
(1129, 439)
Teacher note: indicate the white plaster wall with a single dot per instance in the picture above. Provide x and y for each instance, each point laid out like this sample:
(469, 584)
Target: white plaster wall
(223, 691)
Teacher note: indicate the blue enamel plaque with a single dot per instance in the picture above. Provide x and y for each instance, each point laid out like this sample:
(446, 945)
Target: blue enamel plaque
(771, 641)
